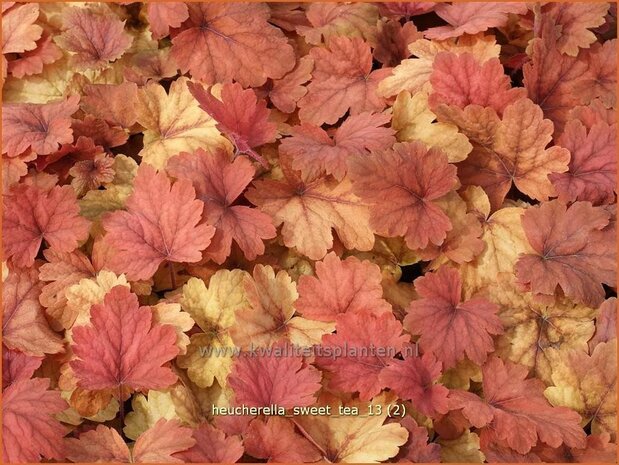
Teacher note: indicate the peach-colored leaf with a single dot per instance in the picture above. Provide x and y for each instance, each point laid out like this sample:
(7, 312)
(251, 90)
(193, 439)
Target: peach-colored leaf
(286, 92)
(276, 440)
(174, 123)
(517, 155)
(601, 79)
(554, 81)
(269, 318)
(61, 270)
(329, 20)
(115, 104)
(156, 445)
(164, 15)
(24, 326)
(400, 184)
(102, 443)
(19, 31)
(235, 42)
(310, 208)
(95, 38)
(514, 410)
(32, 61)
(461, 80)
(574, 21)
(162, 442)
(473, 17)
(17, 366)
(341, 286)
(343, 81)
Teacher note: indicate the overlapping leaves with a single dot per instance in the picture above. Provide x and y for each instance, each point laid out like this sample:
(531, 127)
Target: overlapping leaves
(346, 207)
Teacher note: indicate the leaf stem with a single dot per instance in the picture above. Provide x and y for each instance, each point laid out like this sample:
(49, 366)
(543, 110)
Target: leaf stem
(172, 275)
(121, 411)
(311, 440)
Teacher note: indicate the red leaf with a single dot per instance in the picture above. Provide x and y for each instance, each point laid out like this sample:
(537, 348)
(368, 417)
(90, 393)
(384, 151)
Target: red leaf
(41, 127)
(400, 185)
(212, 446)
(414, 379)
(273, 376)
(393, 40)
(461, 80)
(471, 18)
(554, 81)
(450, 328)
(123, 348)
(417, 449)
(61, 161)
(571, 251)
(593, 163)
(17, 366)
(24, 326)
(313, 152)
(32, 214)
(239, 116)
(236, 42)
(100, 132)
(515, 410)
(399, 9)
(95, 38)
(160, 224)
(277, 441)
(219, 182)
(361, 348)
(29, 430)
(605, 323)
(343, 81)
(348, 286)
